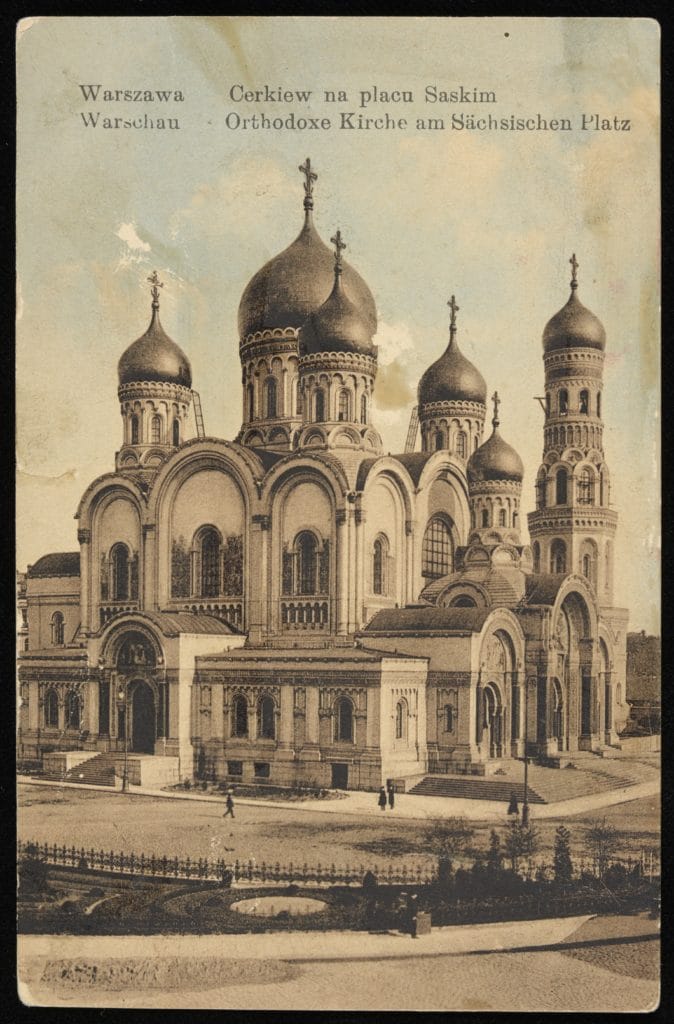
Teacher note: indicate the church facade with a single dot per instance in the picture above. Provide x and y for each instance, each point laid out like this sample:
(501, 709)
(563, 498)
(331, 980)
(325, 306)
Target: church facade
(294, 605)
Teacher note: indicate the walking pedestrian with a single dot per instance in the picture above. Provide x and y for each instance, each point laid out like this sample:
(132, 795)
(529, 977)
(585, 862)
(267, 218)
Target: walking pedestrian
(512, 806)
(391, 795)
(382, 799)
(230, 804)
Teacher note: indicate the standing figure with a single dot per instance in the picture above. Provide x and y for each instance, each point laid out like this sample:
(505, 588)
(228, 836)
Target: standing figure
(391, 795)
(512, 806)
(382, 799)
(230, 804)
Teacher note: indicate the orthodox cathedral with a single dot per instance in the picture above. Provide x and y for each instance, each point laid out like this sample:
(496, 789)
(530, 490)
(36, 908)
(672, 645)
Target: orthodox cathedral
(295, 605)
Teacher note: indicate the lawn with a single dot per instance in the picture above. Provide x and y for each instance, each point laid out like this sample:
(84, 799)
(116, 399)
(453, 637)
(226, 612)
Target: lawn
(284, 834)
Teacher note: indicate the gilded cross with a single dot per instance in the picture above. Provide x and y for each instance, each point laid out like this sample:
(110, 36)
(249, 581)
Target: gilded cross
(455, 309)
(310, 177)
(339, 245)
(497, 401)
(156, 285)
(574, 269)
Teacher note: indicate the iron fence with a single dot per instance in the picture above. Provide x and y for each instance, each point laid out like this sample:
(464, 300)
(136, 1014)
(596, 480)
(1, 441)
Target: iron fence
(242, 872)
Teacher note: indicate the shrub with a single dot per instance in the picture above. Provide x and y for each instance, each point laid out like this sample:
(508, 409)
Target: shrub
(33, 875)
(369, 882)
(563, 865)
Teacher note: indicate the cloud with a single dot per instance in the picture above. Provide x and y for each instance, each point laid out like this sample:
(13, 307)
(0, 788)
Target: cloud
(393, 390)
(128, 234)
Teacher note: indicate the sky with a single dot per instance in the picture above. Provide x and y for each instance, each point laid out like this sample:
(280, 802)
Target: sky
(491, 216)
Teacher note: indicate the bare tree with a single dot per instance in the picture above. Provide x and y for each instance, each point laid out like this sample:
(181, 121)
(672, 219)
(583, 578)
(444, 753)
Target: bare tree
(447, 838)
(602, 842)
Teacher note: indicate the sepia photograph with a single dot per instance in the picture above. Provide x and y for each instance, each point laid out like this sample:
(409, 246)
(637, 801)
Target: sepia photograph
(338, 513)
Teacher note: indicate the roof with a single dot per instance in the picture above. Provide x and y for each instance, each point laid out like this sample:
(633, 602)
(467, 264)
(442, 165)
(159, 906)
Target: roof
(347, 655)
(59, 563)
(267, 458)
(428, 619)
(542, 588)
(172, 624)
(414, 463)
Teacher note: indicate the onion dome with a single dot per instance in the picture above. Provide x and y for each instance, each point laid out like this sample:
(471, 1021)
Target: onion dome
(339, 325)
(574, 326)
(295, 283)
(495, 459)
(154, 356)
(452, 377)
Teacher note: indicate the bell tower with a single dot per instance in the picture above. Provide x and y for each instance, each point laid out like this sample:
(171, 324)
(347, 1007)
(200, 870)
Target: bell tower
(574, 525)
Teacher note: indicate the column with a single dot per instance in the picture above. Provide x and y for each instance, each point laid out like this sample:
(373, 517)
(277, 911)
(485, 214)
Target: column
(341, 590)
(311, 722)
(409, 572)
(86, 609)
(285, 750)
(147, 563)
(262, 617)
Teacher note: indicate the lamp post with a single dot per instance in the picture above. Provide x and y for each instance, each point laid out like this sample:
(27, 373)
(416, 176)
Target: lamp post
(122, 696)
(525, 803)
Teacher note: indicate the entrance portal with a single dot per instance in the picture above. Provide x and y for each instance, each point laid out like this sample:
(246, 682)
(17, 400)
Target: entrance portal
(340, 776)
(143, 724)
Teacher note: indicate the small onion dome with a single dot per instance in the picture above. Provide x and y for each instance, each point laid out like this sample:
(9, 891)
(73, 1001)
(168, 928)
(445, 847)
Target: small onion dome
(295, 283)
(495, 459)
(338, 326)
(154, 356)
(452, 377)
(574, 326)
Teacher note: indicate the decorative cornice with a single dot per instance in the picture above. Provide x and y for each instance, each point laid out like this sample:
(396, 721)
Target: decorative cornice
(476, 410)
(495, 486)
(355, 361)
(154, 389)
(257, 349)
(280, 333)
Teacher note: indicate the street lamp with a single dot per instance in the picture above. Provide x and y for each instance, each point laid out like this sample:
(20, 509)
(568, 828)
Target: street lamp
(525, 804)
(122, 699)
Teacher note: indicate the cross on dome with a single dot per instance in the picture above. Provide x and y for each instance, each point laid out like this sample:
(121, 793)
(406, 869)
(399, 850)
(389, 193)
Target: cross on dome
(574, 270)
(454, 310)
(156, 285)
(339, 245)
(310, 178)
(497, 401)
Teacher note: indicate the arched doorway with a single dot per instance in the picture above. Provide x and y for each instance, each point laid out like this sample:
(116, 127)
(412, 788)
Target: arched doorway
(143, 718)
(557, 714)
(493, 721)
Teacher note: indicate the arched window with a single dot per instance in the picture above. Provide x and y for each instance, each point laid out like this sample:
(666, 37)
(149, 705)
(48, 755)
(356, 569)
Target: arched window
(251, 403)
(541, 483)
(320, 405)
(558, 556)
(585, 487)
(363, 409)
(515, 520)
(270, 391)
(298, 397)
(209, 558)
(57, 629)
(239, 716)
(379, 559)
(155, 430)
(51, 710)
(266, 718)
(560, 486)
(473, 520)
(563, 401)
(476, 443)
(72, 710)
(461, 444)
(176, 431)
(547, 403)
(448, 717)
(501, 517)
(437, 552)
(119, 564)
(344, 720)
(135, 429)
(584, 403)
(344, 405)
(536, 551)
(306, 547)
(401, 720)
(485, 517)
(586, 566)
(599, 404)
(607, 565)
(439, 440)
(464, 601)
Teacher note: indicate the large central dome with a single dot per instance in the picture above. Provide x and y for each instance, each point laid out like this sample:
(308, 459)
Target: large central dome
(295, 283)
